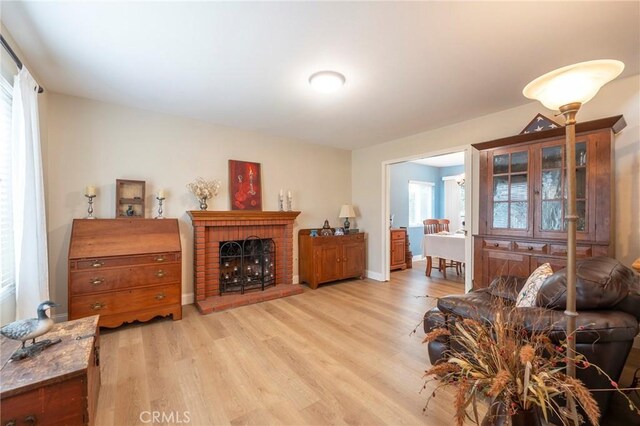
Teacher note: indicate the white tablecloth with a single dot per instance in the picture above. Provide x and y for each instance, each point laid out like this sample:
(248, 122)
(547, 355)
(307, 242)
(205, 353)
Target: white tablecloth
(450, 247)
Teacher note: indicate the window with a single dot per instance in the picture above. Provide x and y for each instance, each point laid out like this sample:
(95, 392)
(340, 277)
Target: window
(7, 266)
(420, 202)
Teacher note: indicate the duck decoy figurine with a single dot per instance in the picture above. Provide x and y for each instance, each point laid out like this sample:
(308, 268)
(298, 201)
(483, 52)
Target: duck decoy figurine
(29, 329)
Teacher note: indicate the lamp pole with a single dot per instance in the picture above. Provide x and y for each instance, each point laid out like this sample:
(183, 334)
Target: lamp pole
(569, 111)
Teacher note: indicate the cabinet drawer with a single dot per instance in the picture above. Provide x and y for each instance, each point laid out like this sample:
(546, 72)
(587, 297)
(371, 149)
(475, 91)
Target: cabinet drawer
(100, 280)
(105, 262)
(125, 300)
(530, 247)
(397, 235)
(497, 244)
(561, 250)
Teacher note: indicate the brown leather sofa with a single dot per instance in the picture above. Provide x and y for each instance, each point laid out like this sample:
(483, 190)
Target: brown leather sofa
(608, 304)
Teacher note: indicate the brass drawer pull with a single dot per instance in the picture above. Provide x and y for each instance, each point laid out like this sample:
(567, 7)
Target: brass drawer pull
(96, 281)
(11, 422)
(530, 248)
(160, 273)
(160, 259)
(97, 263)
(496, 244)
(97, 306)
(160, 296)
(31, 419)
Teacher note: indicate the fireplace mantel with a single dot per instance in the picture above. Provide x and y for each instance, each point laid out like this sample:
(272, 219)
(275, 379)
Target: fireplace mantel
(210, 228)
(241, 215)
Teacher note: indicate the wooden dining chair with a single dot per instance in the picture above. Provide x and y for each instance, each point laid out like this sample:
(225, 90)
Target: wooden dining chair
(431, 226)
(443, 225)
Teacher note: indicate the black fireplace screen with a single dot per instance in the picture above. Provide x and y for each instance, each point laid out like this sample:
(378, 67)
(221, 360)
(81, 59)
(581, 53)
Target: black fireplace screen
(247, 264)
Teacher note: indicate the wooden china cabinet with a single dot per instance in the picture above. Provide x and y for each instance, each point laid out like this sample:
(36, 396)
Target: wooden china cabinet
(523, 200)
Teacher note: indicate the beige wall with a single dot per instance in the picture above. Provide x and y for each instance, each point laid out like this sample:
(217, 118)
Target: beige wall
(91, 142)
(619, 97)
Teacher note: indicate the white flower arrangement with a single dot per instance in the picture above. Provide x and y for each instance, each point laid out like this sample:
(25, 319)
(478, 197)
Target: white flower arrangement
(203, 189)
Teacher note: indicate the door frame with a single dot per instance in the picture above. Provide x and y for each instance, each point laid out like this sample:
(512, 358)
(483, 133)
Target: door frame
(470, 221)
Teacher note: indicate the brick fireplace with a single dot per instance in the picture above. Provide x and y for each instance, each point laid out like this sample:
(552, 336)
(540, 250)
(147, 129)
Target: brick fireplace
(211, 228)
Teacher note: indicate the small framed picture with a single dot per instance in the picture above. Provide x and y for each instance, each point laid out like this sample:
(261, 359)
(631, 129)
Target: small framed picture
(339, 231)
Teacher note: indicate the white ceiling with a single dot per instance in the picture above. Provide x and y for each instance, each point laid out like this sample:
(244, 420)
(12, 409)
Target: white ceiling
(446, 160)
(410, 66)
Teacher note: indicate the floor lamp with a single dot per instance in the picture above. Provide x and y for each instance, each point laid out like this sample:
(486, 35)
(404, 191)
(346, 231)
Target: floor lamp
(566, 90)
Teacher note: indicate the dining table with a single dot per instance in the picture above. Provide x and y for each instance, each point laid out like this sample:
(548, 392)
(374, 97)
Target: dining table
(443, 246)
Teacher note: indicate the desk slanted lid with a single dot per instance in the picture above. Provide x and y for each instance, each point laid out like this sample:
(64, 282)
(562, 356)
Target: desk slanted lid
(122, 237)
(54, 364)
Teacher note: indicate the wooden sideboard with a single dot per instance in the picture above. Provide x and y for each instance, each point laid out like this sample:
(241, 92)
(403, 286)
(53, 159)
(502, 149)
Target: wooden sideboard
(60, 385)
(522, 190)
(331, 258)
(398, 247)
(125, 270)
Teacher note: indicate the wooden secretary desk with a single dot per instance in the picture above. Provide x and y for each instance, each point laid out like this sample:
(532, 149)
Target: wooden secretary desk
(125, 270)
(522, 200)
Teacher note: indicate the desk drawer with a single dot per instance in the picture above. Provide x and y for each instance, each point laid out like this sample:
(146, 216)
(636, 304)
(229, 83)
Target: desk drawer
(83, 282)
(106, 262)
(125, 300)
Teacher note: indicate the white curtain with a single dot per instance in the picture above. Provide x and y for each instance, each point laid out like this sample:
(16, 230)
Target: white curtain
(29, 222)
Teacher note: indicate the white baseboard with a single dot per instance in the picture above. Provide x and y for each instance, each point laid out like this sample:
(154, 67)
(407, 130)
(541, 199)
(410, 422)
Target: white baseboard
(418, 257)
(375, 276)
(59, 317)
(296, 279)
(188, 299)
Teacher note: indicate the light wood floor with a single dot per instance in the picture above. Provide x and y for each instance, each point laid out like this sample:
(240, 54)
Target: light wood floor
(341, 354)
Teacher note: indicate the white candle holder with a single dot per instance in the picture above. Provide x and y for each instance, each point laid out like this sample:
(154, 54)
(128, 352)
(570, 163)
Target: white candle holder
(160, 201)
(90, 208)
(289, 202)
(280, 203)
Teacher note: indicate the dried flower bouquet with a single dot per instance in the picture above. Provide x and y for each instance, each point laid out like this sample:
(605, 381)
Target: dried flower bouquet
(504, 363)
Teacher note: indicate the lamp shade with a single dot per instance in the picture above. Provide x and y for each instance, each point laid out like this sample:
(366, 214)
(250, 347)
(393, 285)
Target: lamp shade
(347, 211)
(574, 83)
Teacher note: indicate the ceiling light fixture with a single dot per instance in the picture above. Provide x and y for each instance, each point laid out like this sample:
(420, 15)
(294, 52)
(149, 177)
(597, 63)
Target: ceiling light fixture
(327, 81)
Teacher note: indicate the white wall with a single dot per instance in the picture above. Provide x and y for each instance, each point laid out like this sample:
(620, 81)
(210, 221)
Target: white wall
(619, 97)
(91, 142)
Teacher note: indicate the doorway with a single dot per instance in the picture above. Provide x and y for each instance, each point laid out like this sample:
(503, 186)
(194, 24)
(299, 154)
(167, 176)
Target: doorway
(426, 187)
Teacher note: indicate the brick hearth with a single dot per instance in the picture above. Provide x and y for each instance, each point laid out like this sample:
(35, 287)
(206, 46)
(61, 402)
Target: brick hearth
(210, 228)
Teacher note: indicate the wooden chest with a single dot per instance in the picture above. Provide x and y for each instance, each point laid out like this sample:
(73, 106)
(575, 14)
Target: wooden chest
(398, 249)
(60, 385)
(332, 258)
(125, 270)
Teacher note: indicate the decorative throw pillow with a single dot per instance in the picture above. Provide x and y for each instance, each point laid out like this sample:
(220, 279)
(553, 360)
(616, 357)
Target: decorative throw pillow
(527, 296)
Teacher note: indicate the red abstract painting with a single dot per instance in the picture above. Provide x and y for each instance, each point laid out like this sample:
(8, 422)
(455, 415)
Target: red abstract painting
(245, 187)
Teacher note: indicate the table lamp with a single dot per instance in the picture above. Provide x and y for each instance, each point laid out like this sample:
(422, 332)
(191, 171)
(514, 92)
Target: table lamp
(346, 212)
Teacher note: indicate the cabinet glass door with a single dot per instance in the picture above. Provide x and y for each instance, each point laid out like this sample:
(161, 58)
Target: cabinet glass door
(553, 196)
(510, 181)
